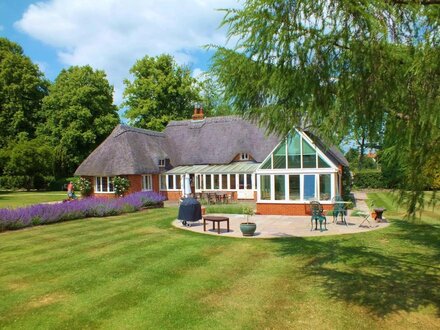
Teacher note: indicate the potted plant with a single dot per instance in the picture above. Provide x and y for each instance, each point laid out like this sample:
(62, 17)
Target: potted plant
(248, 228)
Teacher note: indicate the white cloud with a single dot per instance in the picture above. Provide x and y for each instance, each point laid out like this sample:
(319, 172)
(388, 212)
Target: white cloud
(112, 34)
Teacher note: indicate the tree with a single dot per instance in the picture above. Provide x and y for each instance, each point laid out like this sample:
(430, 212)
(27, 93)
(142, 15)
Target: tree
(213, 99)
(80, 115)
(22, 88)
(160, 91)
(369, 67)
(27, 163)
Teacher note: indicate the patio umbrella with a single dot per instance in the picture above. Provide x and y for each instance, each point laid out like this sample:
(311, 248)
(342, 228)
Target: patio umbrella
(187, 184)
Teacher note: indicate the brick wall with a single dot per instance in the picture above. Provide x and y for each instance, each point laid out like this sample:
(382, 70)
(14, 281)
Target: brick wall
(287, 209)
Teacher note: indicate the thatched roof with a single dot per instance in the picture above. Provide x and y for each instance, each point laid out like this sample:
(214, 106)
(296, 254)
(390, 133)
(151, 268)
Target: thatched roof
(212, 141)
(127, 150)
(216, 140)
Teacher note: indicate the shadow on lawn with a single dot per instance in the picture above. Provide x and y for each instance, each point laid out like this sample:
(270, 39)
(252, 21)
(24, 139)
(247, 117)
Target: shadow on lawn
(380, 279)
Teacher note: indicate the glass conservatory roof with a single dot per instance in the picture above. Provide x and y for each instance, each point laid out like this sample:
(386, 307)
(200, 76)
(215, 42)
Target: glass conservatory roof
(238, 167)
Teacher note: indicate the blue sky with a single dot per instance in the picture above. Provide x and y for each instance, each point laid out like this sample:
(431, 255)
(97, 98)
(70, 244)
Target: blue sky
(112, 34)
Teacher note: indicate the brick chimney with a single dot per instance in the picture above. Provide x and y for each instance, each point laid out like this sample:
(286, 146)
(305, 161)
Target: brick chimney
(198, 112)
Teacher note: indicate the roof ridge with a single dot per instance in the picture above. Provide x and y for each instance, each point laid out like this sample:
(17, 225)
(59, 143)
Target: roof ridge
(125, 128)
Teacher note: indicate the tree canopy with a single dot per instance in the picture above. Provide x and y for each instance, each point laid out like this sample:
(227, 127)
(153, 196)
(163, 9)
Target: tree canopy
(22, 88)
(80, 114)
(343, 66)
(161, 91)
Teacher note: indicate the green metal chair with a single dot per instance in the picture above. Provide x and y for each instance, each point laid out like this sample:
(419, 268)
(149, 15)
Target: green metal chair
(317, 215)
(339, 210)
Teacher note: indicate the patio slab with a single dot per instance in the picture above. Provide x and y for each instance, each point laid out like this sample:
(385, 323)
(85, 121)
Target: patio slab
(272, 226)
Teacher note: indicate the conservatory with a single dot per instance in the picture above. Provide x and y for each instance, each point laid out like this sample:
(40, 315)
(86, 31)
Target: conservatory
(296, 172)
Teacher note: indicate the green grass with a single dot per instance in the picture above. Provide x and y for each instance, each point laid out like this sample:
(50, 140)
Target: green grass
(389, 200)
(137, 271)
(17, 199)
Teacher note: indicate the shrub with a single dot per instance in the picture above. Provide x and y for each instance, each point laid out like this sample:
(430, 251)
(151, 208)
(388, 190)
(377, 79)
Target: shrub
(87, 207)
(369, 179)
(83, 185)
(120, 185)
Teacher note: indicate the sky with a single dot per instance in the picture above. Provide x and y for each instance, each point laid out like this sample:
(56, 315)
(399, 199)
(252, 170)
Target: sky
(111, 35)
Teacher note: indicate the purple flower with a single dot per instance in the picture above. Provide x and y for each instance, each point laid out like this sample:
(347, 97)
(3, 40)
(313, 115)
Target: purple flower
(87, 207)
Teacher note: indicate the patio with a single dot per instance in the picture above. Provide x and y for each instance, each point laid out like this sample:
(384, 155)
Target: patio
(271, 226)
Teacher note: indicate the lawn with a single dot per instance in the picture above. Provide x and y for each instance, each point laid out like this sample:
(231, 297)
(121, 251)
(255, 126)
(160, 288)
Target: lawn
(137, 271)
(22, 198)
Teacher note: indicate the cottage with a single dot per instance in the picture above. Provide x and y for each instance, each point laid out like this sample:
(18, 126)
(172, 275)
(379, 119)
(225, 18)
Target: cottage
(220, 154)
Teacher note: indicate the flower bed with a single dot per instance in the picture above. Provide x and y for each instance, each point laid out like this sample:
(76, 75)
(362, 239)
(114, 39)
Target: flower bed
(78, 209)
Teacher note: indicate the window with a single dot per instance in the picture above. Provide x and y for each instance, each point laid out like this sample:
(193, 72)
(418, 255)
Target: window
(322, 163)
(224, 181)
(244, 156)
(294, 188)
(241, 181)
(170, 182)
(232, 181)
(309, 155)
(104, 184)
(216, 181)
(163, 182)
(208, 182)
(309, 187)
(198, 181)
(265, 187)
(248, 181)
(178, 181)
(280, 187)
(147, 182)
(325, 187)
(294, 151)
(279, 156)
(161, 162)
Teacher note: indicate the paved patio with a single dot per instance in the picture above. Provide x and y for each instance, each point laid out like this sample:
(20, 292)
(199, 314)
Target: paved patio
(270, 226)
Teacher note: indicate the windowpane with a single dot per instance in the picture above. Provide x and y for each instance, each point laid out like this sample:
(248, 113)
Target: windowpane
(110, 184)
(267, 164)
(197, 183)
(279, 156)
(322, 163)
(294, 151)
(178, 181)
(280, 189)
(324, 187)
(104, 183)
(294, 188)
(163, 182)
(309, 155)
(216, 181)
(224, 181)
(309, 187)
(265, 187)
(170, 182)
(241, 181)
(208, 181)
(232, 181)
(98, 184)
(248, 181)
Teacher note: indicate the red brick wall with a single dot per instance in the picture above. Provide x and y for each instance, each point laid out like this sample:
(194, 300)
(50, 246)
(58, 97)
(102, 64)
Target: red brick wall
(287, 209)
(172, 195)
(135, 183)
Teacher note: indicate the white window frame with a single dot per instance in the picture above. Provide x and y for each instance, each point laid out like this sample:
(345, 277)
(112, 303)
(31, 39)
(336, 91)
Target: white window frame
(162, 162)
(333, 177)
(244, 156)
(147, 182)
(102, 191)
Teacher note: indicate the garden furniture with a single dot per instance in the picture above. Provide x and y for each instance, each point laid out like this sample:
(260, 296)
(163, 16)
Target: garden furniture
(214, 220)
(317, 215)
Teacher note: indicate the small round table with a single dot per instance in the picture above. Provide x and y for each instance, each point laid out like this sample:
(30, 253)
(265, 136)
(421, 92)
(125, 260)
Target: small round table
(215, 219)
